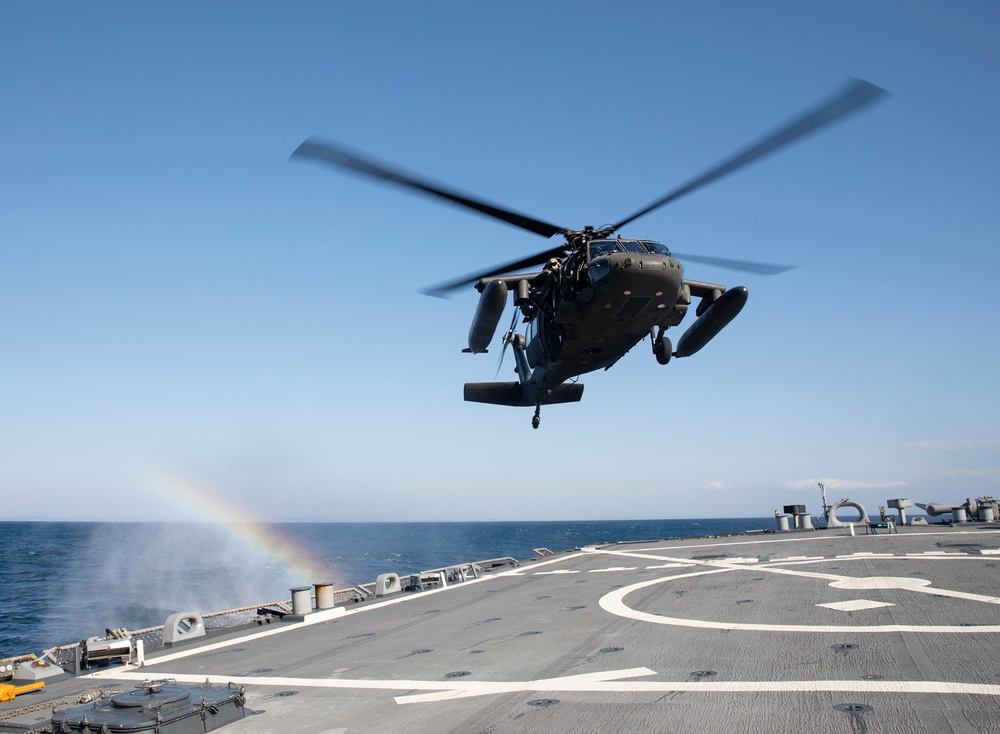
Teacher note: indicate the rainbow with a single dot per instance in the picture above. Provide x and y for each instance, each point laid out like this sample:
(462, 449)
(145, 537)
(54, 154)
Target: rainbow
(237, 519)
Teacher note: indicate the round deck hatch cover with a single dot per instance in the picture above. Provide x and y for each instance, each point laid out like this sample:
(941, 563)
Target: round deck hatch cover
(160, 696)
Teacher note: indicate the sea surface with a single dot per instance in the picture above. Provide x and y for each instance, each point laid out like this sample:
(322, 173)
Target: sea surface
(61, 582)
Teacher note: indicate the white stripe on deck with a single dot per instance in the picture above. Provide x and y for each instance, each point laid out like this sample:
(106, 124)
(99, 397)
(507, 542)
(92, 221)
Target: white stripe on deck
(552, 573)
(855, 605)
(611, 569)
(600, 682)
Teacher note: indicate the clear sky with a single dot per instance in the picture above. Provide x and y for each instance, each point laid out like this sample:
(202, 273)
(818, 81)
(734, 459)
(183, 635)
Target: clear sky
(190, 325)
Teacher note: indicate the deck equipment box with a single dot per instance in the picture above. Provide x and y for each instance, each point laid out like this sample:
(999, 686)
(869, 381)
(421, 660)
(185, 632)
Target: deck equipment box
(162, 706)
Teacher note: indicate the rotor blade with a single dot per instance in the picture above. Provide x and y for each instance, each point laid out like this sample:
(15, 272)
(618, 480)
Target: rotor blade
(337, 156)
(858, 94)
(747, 266)
(441, 289)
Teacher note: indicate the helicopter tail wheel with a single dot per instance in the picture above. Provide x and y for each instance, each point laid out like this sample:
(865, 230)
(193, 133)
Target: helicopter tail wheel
(538, 416)
(662, 349)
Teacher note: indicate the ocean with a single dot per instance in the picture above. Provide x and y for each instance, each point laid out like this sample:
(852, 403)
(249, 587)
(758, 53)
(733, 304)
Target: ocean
(61, 582)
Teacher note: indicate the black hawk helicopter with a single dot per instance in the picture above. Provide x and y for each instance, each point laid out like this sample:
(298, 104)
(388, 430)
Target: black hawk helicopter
(596, 295)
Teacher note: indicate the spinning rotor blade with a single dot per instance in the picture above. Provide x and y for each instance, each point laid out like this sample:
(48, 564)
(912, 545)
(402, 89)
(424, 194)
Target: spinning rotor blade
(857, 95)
(746, 266)
(441, 289)
(337, 156)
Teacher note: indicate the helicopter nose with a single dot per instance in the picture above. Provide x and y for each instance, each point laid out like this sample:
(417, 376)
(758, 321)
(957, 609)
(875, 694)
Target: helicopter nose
(654, 271)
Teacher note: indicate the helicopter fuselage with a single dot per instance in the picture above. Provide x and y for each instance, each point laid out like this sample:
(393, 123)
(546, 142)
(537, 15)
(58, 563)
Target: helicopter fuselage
(585, 315)
(628, 295)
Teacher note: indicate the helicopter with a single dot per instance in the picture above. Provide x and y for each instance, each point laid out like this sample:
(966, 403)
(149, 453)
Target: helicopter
(596, 294)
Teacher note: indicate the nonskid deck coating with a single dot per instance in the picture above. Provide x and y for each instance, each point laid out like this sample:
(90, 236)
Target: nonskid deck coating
(816, 632)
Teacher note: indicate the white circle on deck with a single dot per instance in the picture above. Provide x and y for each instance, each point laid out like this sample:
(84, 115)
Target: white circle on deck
(614, 602)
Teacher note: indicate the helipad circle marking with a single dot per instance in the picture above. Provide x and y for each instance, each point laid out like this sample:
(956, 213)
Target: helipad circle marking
(614, 603)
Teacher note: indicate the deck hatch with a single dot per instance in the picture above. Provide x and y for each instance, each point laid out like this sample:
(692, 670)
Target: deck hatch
(853, 708)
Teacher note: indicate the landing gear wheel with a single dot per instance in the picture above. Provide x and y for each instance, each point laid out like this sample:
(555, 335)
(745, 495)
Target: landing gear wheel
(663, 350)
(537, 418)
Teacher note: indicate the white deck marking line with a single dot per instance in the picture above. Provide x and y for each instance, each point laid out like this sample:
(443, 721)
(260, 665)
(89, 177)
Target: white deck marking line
(335, 613)
(904, 557)
(672, 565)
(478, 688)
(309, 620)
(813, 538)
(959, 595)
(614, 603)
(797, 558)
(773, 567)
(805, 574)
(881, 583)
(852, 582)
(855, 605)
(552, 573)
(612, 568)
(717, 687)
(602, 682)
(522, 571)
(727, 565)
(579, 682)
(638, 554)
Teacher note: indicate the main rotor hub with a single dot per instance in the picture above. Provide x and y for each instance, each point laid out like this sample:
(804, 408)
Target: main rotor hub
(581, 238)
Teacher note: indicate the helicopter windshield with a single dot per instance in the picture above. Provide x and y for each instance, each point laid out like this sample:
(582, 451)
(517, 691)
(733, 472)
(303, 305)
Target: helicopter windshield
(599, 248)
(656, 248)
(632, 246)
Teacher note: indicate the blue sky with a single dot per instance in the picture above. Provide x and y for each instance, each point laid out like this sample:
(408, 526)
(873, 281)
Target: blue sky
(181, 306)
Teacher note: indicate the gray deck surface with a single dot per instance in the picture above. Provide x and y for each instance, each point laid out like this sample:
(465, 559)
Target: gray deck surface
(701, 635)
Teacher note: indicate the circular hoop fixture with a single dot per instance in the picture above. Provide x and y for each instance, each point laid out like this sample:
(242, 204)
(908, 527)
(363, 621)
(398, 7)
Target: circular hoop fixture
(834, 522)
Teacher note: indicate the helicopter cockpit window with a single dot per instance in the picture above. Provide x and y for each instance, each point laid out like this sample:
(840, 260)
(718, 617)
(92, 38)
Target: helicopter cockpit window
(656, 248)
(632, 246)
(599, 248)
